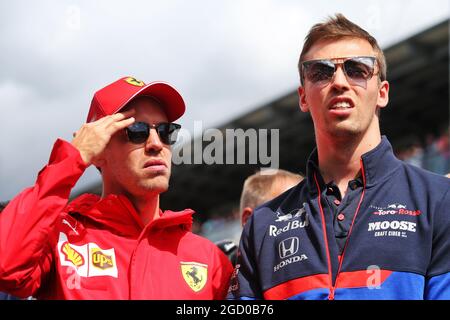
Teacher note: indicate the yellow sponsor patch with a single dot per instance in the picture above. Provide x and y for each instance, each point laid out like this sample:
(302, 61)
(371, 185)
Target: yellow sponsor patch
(195, 274)
(89, 259)
(101, 260)
(72, 255)
(135, 82)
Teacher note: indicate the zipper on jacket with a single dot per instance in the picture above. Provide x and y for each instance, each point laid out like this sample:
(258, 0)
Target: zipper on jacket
(333, 286)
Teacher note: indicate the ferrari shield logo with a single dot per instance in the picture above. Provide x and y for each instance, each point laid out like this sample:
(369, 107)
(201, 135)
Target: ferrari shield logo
(195, 274)
(135, 82)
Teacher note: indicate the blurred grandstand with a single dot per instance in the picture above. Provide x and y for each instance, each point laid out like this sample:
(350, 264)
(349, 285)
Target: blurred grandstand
(416, 122)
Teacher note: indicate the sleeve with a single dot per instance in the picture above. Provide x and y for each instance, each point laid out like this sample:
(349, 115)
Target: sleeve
(26, 222)
(244, 284)
(222, 274)
(437, 282)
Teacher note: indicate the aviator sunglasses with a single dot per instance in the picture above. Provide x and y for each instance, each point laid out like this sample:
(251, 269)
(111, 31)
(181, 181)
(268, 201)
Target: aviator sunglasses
(358, 70)
(139, 132)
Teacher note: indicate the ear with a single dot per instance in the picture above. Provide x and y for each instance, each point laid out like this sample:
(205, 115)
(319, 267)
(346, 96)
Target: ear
(302, 99)
(246, 213)
(383, 94)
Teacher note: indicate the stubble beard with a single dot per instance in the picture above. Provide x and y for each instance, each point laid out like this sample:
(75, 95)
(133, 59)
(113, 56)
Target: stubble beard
(154, 185)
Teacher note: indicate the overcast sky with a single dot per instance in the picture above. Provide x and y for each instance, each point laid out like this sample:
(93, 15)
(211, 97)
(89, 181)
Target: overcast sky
(226, 58)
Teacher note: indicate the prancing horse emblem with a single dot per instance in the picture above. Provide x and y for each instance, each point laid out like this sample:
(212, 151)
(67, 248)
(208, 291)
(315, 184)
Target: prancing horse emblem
(195, 274)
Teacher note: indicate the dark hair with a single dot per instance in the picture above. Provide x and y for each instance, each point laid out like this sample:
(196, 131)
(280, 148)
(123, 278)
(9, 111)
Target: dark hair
(336, 28)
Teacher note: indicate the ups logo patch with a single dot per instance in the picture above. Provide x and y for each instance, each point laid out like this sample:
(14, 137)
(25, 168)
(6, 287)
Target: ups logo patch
(101, 260)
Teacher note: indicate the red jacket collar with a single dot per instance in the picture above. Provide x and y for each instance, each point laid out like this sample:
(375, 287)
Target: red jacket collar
(115, 212)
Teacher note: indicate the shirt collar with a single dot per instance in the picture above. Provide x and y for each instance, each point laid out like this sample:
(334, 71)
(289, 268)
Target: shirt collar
(378, 164)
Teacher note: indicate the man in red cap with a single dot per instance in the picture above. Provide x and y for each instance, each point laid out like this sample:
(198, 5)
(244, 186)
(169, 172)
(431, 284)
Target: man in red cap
(120, 245)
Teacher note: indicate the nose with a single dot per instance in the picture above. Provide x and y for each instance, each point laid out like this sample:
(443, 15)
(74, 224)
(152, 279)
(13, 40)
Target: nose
(339, 80)
(153, 142)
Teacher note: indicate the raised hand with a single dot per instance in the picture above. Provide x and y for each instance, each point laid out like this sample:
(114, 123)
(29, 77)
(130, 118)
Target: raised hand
(92, 138)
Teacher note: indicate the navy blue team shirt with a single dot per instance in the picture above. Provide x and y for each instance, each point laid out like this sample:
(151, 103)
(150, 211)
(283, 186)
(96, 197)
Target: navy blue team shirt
(397, 245)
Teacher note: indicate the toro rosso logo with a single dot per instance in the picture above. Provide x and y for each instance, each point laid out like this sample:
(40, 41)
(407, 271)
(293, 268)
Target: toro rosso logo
(393, 228)
(396, 206)
(393, 209)
(296, 213)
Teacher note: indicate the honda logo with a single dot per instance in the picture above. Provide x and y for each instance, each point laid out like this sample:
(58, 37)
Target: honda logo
(288, 247)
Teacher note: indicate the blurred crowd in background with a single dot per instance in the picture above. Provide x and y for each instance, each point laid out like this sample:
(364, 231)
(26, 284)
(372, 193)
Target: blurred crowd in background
(433, 154)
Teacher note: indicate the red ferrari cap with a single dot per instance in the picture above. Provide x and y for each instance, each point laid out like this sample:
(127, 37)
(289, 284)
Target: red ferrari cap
(116, 95)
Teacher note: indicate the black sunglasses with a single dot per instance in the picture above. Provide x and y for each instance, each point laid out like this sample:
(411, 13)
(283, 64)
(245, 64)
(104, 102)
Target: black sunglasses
(358, 70)
(139, 132)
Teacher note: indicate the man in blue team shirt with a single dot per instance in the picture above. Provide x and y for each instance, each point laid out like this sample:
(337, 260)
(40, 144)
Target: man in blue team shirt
(363, 224)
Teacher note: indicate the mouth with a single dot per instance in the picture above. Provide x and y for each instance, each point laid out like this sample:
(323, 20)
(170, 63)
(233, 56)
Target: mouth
(155, 165)
(341, 106)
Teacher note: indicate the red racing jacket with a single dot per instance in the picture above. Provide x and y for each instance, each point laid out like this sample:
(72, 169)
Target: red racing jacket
(98, 248)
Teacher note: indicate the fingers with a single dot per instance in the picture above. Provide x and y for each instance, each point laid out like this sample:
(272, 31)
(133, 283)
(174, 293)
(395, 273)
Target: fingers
(92, 138)
(112, 123)
(120, 115)
(123, 115)
(118, 125)
(115, 117)
(115, 124)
